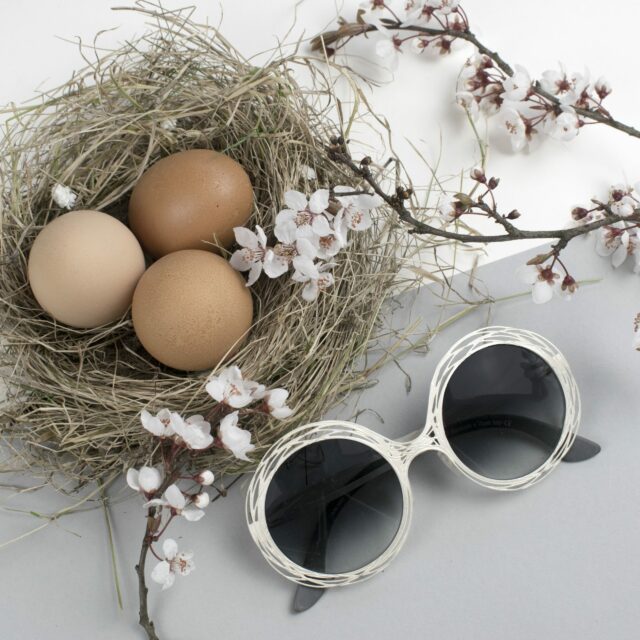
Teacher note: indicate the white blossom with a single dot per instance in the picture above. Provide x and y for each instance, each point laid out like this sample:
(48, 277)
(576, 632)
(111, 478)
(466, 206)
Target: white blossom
(235, 439)
(388, 47)
(564, 127)
(468, 102)
(276, 400)
(569, 89)
(63, 196)
(145, 480)
(303, 218)
(543, 281)
(177, 502)
(164, 572)
(514, 125)
(517, 86)
(195, 431)
(255, 256)
(621, 202)
(356, 208)
(229, 387)
(159, 425)
(619, 242)
(316, 277)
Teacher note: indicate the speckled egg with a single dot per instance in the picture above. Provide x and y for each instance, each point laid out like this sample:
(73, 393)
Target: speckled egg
(187, 200)
(191, 310)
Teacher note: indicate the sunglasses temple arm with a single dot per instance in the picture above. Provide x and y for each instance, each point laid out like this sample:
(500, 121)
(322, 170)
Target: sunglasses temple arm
(582, 449)
(305, 597)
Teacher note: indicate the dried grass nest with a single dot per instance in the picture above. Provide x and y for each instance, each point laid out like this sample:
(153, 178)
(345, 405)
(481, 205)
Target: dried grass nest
(74, 396)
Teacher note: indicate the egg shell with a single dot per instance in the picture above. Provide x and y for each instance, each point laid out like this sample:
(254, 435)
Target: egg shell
(186, 199)
(83, 268)
(191, 309)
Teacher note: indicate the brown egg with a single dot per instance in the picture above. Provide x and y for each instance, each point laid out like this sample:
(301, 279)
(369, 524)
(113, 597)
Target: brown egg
(187, 198)
(191, 309)
(83, 268)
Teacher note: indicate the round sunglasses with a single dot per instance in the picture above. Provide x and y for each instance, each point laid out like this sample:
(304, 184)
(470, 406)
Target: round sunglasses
(330, 503)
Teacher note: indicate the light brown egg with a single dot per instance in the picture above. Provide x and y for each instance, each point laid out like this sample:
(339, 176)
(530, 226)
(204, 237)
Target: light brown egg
(83, 268)
(186, 199)
(191, 309)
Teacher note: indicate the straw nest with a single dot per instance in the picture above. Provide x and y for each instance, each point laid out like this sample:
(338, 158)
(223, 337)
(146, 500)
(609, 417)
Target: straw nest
(74, 396)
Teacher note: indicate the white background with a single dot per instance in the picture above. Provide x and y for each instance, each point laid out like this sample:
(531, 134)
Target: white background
(544, 184)
(559, 561)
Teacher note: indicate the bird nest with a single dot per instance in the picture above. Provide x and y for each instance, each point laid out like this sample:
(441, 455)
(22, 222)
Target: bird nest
(74, 396)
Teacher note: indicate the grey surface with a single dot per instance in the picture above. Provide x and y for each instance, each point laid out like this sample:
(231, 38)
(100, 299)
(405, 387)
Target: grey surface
(559, 560)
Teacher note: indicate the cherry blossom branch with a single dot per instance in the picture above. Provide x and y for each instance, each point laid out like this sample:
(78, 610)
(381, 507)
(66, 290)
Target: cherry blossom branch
(338, 152)
(450, 24)
(181, 441)
(152, 524)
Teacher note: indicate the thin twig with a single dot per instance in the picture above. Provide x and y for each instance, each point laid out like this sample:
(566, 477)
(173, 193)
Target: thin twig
(338, 152)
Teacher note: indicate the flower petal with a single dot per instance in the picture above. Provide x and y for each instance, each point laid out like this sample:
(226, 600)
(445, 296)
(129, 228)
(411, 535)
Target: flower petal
(246, 238)
(163, 575)
(241, 260)
(274, 266)
(310, 291)
(542, 292)
(254, 273)
(151, 423)
(321, 226)
(295, 200)
(215, 388)
(133, 479)
(175, 497)
(319, 200)
(192, 514)
(170, 548)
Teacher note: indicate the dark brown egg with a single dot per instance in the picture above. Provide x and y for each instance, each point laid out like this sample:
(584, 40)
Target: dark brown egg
(189, 199)
(191, 310)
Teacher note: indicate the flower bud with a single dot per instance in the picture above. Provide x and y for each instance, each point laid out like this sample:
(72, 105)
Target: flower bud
(205, 478)
(579, 213)
(202, 500)
(478, 176)
(569, 284)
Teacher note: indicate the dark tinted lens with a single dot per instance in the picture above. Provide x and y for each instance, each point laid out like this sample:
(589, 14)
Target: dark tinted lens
(334, 506)
(503, 412)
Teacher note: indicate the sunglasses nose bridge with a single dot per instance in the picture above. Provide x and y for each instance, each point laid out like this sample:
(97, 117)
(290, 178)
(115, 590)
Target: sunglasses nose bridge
(410, 449)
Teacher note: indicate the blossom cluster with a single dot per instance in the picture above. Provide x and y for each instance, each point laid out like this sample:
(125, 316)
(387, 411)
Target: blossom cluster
(522, 106)
(163, 486)
(620, 240)
(443, 14)
(309, 233)
(525, 108)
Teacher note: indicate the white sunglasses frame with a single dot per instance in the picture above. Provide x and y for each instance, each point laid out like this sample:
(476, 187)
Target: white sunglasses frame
(400, 454)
